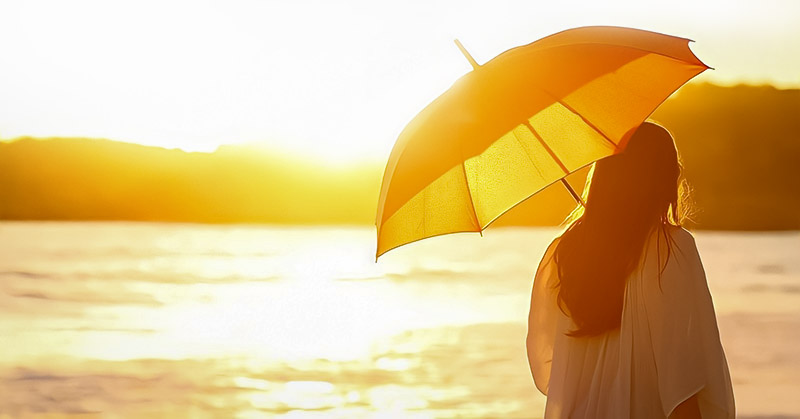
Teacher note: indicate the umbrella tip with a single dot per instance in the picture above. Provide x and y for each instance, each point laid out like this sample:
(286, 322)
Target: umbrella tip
(464, 51)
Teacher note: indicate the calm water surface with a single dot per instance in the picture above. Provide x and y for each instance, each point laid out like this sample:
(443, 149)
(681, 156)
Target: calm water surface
(170, 320)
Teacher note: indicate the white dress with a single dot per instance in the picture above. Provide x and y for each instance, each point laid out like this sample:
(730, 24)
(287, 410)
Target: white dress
(666, 349)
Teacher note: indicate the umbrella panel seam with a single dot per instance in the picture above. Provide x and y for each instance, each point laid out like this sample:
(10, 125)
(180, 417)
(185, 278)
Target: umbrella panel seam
(547, 148)
(576, 113)
(528, 154)
(471, 200)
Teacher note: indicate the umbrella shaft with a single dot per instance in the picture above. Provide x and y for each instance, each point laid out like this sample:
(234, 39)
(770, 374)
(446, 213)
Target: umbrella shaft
(572, 192)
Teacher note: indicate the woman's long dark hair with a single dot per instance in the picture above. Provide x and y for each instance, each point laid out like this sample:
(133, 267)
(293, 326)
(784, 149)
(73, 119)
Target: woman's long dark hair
(629, 195)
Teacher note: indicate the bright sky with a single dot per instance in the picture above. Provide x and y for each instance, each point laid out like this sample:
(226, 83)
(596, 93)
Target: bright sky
(337, 79)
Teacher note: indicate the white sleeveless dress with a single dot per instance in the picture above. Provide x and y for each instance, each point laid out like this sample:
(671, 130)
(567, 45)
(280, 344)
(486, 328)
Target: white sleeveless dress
(666, 349)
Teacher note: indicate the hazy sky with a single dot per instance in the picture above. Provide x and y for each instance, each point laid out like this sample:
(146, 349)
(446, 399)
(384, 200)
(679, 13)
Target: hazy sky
(338, 79)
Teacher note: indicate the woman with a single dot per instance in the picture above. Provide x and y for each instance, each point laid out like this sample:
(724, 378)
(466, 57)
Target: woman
(621, 322)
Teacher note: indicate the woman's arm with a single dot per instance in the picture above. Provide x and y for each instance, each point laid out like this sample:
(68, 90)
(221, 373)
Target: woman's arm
(542, 321)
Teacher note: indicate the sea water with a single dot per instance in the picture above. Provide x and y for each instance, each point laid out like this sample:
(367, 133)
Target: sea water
(184, 320)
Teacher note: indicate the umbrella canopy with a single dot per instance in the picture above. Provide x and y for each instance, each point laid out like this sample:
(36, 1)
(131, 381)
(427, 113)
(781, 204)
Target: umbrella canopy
(522, 121)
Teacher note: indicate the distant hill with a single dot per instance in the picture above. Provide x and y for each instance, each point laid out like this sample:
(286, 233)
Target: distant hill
(85, 179)
(740, 147)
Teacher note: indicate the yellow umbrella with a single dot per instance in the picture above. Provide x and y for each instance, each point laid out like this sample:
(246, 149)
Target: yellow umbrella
(521, 122)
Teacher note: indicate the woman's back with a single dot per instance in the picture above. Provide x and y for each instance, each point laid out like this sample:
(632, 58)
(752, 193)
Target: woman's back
(666, 350)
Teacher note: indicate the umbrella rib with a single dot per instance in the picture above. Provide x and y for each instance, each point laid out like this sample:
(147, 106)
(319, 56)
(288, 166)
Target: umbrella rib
(547, 147)
(528, 154)
(471, 201)
(576, 113)
(586, 121)
(558, 161)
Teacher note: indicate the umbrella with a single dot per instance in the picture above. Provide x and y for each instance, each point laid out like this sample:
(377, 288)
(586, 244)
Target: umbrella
(522, 121)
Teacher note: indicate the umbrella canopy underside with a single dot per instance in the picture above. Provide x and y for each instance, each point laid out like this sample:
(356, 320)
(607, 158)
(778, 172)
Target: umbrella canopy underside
(522, 121)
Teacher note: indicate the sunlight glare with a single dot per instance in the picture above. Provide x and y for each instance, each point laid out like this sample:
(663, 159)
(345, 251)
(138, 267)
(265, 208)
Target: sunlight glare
(195, 75)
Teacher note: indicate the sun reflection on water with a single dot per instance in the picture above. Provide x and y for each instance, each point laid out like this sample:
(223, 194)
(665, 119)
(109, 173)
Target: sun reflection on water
(295, 305)
(211, 321)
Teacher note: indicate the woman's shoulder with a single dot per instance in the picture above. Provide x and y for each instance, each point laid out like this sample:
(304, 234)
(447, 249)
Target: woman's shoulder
(551, 248)
(672, 235)
(673, 257)
(680, 233)
(548, 257)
